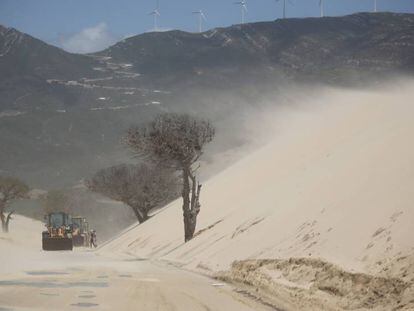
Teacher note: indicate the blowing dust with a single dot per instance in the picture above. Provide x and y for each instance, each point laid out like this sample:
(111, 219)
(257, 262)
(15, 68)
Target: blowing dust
(330, 179)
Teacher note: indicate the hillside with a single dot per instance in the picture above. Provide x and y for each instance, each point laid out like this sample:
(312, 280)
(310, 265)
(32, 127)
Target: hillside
(26, 64)
(296, 48)
(333, 186)
(62, 114)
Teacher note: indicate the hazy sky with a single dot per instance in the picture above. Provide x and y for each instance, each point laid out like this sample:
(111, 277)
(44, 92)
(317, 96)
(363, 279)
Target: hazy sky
(90, 25)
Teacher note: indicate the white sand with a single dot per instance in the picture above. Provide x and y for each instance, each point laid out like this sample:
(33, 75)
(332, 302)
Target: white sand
(336, 182)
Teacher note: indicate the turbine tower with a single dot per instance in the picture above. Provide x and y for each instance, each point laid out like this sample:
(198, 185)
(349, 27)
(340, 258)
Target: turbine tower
(156, 13)
(322, 8)
(284, 7)
(201, 17)
(375, 6)
(243, 8)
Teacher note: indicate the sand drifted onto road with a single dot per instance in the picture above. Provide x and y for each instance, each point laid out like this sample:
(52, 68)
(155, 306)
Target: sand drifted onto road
(31, 279)
(328, 202)
(309, 284)
(118, 285)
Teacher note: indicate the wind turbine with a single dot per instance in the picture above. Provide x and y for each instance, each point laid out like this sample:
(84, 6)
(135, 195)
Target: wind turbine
(201, 17)
(156, 13)
(284, 7)
(375, 6)
(243, 7)
(321, 6)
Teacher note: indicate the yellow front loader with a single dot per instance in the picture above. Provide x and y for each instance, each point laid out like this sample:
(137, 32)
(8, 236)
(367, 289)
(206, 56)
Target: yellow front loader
(58, 236)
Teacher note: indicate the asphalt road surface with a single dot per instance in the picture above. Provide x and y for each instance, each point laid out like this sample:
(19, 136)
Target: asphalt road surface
(81, 280)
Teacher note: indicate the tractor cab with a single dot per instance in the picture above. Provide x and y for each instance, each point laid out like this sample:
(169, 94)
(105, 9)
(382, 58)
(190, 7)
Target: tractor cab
(57, 220)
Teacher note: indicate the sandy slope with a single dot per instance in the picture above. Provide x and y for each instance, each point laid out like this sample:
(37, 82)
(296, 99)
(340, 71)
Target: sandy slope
(335, 182)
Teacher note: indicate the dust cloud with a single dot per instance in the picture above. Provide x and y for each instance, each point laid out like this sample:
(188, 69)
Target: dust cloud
(247, 125)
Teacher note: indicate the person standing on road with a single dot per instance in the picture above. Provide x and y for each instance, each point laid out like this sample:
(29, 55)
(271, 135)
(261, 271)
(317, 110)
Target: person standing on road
(93, 239)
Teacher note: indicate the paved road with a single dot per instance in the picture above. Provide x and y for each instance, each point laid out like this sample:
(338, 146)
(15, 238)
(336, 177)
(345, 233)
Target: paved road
(81, 280)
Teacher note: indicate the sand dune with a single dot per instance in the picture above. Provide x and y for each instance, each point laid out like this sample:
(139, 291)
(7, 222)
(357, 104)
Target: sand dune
(335, 183)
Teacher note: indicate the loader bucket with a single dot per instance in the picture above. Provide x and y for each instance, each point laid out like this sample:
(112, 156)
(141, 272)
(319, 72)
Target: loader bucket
(57, 244)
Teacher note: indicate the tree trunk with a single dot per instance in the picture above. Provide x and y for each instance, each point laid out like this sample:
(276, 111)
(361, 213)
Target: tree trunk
(144, 215)
(186, 205)
(144, 211)
(3, 222)
(191, 207)
(3, 218)
(138, 215)
(190, 222)
(6, 225)
(141, 214)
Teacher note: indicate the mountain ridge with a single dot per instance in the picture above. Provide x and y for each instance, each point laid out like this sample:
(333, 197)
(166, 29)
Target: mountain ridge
(270, 36)
(61, 114)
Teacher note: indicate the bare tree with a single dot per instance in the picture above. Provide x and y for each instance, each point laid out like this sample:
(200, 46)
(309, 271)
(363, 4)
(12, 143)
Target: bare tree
(176, 141)
(10, 189)
(141, 187)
